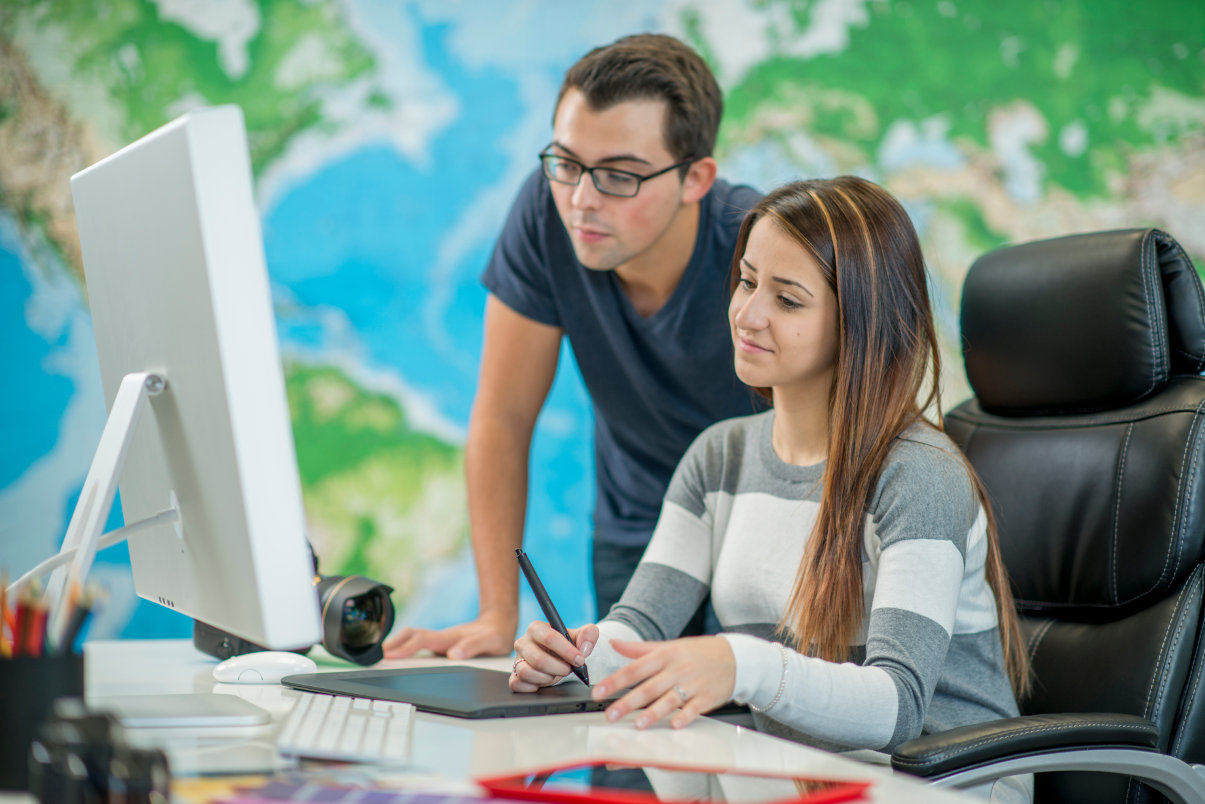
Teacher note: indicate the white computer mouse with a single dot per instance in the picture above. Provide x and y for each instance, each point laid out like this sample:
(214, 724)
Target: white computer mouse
(262, 667)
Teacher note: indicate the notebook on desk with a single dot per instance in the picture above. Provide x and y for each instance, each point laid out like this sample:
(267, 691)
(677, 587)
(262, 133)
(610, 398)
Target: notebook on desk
(456, 690)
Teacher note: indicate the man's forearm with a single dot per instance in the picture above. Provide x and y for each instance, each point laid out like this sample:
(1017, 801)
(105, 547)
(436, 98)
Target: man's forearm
(496, 466)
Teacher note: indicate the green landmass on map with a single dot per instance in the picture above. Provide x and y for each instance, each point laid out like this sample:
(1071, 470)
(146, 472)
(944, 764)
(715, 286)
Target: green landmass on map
(148, 64)
(381, 497)
(122, 71)
(958, 63)
(991, 54)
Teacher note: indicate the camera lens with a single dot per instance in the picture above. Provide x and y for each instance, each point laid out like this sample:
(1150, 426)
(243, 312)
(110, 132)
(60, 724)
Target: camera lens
(364, 619)
(356, 616)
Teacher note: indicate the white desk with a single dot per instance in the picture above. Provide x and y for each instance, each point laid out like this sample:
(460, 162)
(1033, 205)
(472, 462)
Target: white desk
(461, 749)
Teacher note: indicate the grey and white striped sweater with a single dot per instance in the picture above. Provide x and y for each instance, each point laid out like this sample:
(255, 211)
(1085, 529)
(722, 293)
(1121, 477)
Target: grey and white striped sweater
(734, 523)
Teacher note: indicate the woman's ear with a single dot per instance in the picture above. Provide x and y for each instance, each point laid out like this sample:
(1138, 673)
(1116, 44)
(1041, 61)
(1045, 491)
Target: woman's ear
(699, 179)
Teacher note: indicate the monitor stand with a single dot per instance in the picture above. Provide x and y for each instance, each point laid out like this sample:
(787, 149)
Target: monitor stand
(79, 548)
(96, 498)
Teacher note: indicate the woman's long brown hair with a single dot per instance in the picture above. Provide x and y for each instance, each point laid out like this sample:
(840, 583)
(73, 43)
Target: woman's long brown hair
(865, 244)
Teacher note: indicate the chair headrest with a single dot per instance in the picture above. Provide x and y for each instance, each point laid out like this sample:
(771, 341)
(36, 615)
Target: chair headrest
(1081, 323)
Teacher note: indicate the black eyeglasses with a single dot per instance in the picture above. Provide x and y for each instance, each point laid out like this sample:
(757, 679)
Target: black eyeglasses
(608, 181)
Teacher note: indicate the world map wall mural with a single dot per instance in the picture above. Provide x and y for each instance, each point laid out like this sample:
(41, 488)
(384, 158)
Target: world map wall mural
(388, 139)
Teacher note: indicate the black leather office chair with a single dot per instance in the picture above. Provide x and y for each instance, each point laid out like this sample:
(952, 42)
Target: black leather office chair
(1088, 429)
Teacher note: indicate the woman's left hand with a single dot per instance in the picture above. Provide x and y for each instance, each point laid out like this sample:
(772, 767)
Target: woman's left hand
(691, 676)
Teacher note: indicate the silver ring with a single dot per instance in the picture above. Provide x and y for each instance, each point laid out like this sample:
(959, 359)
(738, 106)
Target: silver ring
(681, 693)
(514, 668)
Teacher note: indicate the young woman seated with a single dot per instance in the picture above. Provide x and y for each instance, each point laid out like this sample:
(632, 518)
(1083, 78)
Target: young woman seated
(845, 542)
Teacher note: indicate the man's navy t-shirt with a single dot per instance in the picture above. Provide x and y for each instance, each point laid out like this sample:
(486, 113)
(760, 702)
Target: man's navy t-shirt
(655, 382)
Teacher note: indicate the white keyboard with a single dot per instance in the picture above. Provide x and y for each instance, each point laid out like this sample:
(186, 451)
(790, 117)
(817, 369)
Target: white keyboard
(347, 729)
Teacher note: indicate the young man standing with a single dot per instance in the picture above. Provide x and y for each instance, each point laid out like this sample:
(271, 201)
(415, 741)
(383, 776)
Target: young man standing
(623, 243)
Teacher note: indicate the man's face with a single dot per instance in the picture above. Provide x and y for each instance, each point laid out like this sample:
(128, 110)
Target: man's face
(608, 232)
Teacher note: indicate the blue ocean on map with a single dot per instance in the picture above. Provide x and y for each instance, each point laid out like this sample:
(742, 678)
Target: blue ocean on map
(34, 392)
(379, 222)
(361, 236)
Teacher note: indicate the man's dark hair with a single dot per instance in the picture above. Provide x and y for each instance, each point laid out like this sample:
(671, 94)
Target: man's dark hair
(658, 67)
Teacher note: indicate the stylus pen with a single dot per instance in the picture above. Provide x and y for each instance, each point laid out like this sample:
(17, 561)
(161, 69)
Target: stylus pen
(550, 612)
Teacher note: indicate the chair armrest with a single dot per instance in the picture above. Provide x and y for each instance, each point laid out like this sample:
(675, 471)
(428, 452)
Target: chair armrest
(937, 754)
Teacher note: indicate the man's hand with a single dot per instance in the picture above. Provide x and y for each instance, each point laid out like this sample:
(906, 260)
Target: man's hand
(691, 676)
(488, 635)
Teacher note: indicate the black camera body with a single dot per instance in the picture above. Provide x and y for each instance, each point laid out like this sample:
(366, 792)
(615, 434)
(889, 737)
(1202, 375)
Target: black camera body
(357, 615)
(82, 756)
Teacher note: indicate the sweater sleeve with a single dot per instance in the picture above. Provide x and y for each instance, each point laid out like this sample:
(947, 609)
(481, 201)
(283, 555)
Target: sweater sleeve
(674, 575)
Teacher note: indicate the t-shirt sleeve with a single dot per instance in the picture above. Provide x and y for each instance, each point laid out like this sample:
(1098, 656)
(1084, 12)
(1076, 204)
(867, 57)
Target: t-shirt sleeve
(518, 270)
(743, 199)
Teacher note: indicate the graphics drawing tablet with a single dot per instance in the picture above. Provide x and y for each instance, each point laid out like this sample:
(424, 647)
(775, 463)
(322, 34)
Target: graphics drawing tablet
(456, 690)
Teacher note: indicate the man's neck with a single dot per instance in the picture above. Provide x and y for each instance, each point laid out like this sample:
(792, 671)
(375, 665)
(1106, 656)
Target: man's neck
(652, 277)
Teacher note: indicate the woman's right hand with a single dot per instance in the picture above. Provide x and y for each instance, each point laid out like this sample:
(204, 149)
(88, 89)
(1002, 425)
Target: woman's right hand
(543, 657)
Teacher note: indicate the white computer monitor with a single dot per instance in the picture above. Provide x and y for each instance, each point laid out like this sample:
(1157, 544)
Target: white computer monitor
(178, 288)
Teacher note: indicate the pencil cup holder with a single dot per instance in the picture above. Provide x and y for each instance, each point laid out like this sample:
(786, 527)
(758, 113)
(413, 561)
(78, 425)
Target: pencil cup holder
(29, 686)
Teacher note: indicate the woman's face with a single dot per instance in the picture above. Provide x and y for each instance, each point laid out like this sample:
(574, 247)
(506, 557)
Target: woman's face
(783, 316)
